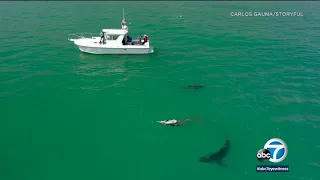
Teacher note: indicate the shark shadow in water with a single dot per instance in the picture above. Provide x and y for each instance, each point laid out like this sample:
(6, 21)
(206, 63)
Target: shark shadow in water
(218, 156)
(194, 87)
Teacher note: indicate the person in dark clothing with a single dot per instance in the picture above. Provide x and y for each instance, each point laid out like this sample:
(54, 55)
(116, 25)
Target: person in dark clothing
(102, 39)
(145, 39)
(129, 39)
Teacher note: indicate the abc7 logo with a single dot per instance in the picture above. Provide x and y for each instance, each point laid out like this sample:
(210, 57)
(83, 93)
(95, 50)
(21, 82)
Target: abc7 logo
(275, 150)
(263, 155)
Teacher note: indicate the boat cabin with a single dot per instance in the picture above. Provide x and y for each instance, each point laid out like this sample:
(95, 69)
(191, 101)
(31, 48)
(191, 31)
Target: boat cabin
(117, 36)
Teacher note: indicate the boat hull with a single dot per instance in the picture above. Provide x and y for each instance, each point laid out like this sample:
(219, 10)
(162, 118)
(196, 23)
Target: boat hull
(108, 50)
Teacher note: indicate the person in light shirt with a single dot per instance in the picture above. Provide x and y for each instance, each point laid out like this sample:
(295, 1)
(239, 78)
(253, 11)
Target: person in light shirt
(123, 23)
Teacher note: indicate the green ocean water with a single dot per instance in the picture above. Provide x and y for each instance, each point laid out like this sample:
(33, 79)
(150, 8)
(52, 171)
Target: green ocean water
(68, 115)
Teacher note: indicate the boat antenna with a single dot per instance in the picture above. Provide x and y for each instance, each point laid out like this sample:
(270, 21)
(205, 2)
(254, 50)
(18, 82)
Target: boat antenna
(123, 14)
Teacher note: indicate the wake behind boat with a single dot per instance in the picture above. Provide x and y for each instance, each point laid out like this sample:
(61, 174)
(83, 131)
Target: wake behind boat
(112, 41)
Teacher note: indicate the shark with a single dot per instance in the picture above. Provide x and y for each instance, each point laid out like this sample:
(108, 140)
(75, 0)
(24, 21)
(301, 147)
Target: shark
(218, 156)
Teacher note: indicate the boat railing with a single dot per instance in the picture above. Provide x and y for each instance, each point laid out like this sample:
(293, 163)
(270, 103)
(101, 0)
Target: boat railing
(84, 35)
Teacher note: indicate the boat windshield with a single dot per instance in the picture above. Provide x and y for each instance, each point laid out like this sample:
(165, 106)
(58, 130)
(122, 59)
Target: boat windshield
(112, 37)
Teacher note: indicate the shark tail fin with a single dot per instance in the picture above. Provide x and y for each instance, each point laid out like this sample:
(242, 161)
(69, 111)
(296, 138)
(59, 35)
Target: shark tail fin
(222, 164)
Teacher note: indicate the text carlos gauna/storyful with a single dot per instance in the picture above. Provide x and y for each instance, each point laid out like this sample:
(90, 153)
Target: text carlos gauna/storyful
(272, 14)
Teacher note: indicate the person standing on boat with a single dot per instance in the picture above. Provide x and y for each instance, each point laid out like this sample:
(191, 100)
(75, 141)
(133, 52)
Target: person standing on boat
(139, 39)
(124, 22)
(145, 39)
(102, 37)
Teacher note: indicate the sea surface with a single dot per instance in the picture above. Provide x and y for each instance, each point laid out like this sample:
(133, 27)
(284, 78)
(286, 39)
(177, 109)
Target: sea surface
(67, 115)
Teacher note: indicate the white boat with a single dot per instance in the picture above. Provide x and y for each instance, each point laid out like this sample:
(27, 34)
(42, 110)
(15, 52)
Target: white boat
(169, 122)
(111, 41)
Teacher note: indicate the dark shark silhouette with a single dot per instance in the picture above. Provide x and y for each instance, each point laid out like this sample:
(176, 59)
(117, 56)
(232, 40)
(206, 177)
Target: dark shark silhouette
(218, 156)
(194, 87)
